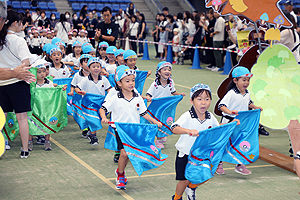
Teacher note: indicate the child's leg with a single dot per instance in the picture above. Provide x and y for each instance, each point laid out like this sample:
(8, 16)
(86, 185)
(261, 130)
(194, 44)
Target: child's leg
(47, 137)
(166, 51)
(122, 161)
(47, 144)
(181, 185)
(24, 129)
(116, 156)
(93, 138)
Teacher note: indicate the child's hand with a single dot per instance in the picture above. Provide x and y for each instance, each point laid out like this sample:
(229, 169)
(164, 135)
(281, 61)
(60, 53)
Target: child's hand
(104, 120)
(258, 107)
(52, 76)
(237, 120)
(158, 124)
(149, 99)
(71, 94)
(193, 132)
(55, 85)
(82, 92)
(183, 94)
(65, 87)
(234, 112)
(149, 73)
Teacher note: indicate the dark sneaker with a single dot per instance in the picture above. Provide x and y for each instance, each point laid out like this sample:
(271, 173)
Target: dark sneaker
(30, 145)
(40, 139)
(24, 154)
(47, 146)
(85, 133)
(262, 131)
(116, 158)
(93, 140)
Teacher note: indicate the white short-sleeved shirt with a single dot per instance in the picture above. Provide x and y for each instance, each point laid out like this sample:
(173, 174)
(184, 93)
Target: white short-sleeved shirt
(190, 120)
(62, 32)
(113, 91)
(235, 100)
(36, 42)
(78, 77)
(220, 27)
(134, 28)
(74, 59)
(13, 53)
(157, 90)
(123, 110)
(47, 83)
(89, 86)
(62, 72)
(66, 59)
(82, 40)
(111, 68)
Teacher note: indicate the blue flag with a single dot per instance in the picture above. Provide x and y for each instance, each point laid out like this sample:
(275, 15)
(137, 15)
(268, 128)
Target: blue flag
(77, 111)
(138, 142)
(91, 103)
(140, 80)
(163, 110)
(206, 153)
(111, 79)
(243, 146)
(110, 140)
(66, 81)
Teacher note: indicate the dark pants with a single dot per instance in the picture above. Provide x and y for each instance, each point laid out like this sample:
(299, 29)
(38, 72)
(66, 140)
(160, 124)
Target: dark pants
(218, 54)
(156, 46)
(133, 44)
(141, 45)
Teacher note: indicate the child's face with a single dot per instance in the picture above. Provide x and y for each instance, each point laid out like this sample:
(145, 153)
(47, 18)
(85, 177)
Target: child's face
(102, 52)
(131, 62)
(175, 33)
(127, 83)
(93, 54)
(77, 50)
(111, 57)
(49, 35)
(95, 69)
(47, 71)
(62, 48)
(165, 72)
(201, 103)
(41, 74)
(74, 34)
(35, 34)
(120, 59)
(84, 65)
(56, 57)
(242, 83)
(70, 37)
(82, 34)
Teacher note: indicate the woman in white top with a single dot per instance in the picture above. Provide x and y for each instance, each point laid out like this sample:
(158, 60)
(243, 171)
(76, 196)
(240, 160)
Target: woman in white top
(14, 93)
(63, 27)
(188, 24)
(134, 25)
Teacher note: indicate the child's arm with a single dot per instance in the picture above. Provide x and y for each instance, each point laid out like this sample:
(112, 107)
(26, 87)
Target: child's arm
(235, 120)
(76, 67)
(71, 93)
(149, 73)
(227, 111)
(80, 92)
(177, 93)
(190, 132)
(150, 119)
(69, 63)
(147, 97)
(255, 107)
(104, 72)
(103, 116)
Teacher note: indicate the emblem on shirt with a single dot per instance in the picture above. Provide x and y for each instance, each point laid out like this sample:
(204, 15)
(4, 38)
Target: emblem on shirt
(64, 72)
(11, 123)
(53, 120)
(169, 121)
(137, 107)
(103, 85)
(109, 31)
(244, 146)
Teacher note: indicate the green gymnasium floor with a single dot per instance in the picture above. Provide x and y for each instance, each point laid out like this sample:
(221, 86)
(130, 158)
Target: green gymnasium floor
(76, 170)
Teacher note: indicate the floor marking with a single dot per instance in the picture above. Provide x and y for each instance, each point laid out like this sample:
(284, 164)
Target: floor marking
(182, 86)
(105, 180)
(173, 173)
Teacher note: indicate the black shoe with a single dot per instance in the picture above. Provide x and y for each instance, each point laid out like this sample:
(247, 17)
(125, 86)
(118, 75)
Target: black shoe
(40, 139)
(93, 140)
(85, 133)
(116, 157)
(262, 131)
(24, 154)
(291, 152)
(174, 197)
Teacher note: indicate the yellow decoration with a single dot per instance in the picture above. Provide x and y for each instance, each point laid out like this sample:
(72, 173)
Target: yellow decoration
(243, 39)
(2, 140)
(251, 156)
(238, 5)
(272, 34)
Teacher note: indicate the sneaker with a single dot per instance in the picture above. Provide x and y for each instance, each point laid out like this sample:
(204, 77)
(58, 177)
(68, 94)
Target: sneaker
(262, 131)
(173, 197)
(120, 183)
(30, 145)
(241, 169)
(85, 133)
(164, 139)
(190, 193)
(215, 69)
(47, 146)
(116, 158)
(40, 139)
(159, 144)
(7, 147)
(209, 67)
(174, 62)
(125, 178)
(93, 140)
(221, 69)
(164, 59)
(220, 170)
(24, 154)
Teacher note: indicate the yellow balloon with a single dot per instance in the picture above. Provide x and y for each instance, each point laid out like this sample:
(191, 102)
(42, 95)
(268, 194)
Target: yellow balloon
(2, 140)
(238, 5)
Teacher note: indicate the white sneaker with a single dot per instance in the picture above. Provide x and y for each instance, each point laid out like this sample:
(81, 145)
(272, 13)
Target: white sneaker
(7, 147)
(215, 69)
(190, 193)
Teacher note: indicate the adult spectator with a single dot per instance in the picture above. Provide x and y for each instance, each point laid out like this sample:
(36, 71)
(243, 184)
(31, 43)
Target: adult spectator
(125, 30)
(165, 11)
(121, 12)
(210, 59)
(131, 10)
(77, 23)
(68, 17)
(218, 40)
(27, 21)
(155, 35)
(90, 25)
(36, 16)
(169, 27)
(63, 27)
(141, 33)
(297, 12)
(15, 93)
(179, 19)
(195, 12)
(83, 12)
(134, 25)
(120, 21)
(198, 37)
(44, 21)
(188, 24)
(288, 5)
(95, 15)
(107, 30)
(53, 21)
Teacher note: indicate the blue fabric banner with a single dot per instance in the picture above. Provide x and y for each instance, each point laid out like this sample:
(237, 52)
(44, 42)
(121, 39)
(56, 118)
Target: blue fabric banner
(91, 103)
(111, 79)
(206, 153)
(77, 111)
(66, 81)
(110, 140)
(138, 141)
(163, 110)
(140, 80)
(243, 146)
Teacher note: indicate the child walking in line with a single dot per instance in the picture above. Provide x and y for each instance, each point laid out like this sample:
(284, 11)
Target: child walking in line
(237, 99)
(188, 125)
(94, 83)
(126, 106)
(57, 69)
(102, 52)
(130, 59)
(120, 57)
(111, 63)
(77, 51)
(163, 86)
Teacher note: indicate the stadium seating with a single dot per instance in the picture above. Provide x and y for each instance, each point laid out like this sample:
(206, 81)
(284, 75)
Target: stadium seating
(16, 4)
(52, 6)
(43, 5)
(25, 4)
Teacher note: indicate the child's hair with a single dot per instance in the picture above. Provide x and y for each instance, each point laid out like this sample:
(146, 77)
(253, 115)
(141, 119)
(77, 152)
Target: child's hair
(232, 84)
(199, 92)
(163, 28)
(81, 61)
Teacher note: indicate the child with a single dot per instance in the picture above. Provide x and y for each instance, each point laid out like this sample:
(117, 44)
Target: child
(70, 43)
(237, 99)
(126, 106)
(120, 57)
(57, 69)
(96, 84)
(49, 37)
(111, 64)
(66, 59)
(161, 46)
(81, 38)
(102, 51)
(163, 86)
(89, 49)
(35, 43)
(74, 32)
(130, 59)
(188, 125)
(175, 41)
(77, 51)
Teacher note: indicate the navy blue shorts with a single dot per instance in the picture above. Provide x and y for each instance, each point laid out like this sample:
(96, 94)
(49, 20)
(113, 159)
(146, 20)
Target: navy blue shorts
(180, 164)
(15, 97)
(119, 142)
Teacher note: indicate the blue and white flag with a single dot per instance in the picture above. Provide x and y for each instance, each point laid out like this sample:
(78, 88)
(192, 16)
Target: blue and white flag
(206, 153)
(163, 110)
(77, 111)
(140, 80)
(91, 103)
(243, 145)
(138, 142)
(110, 140)
(66, 81)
